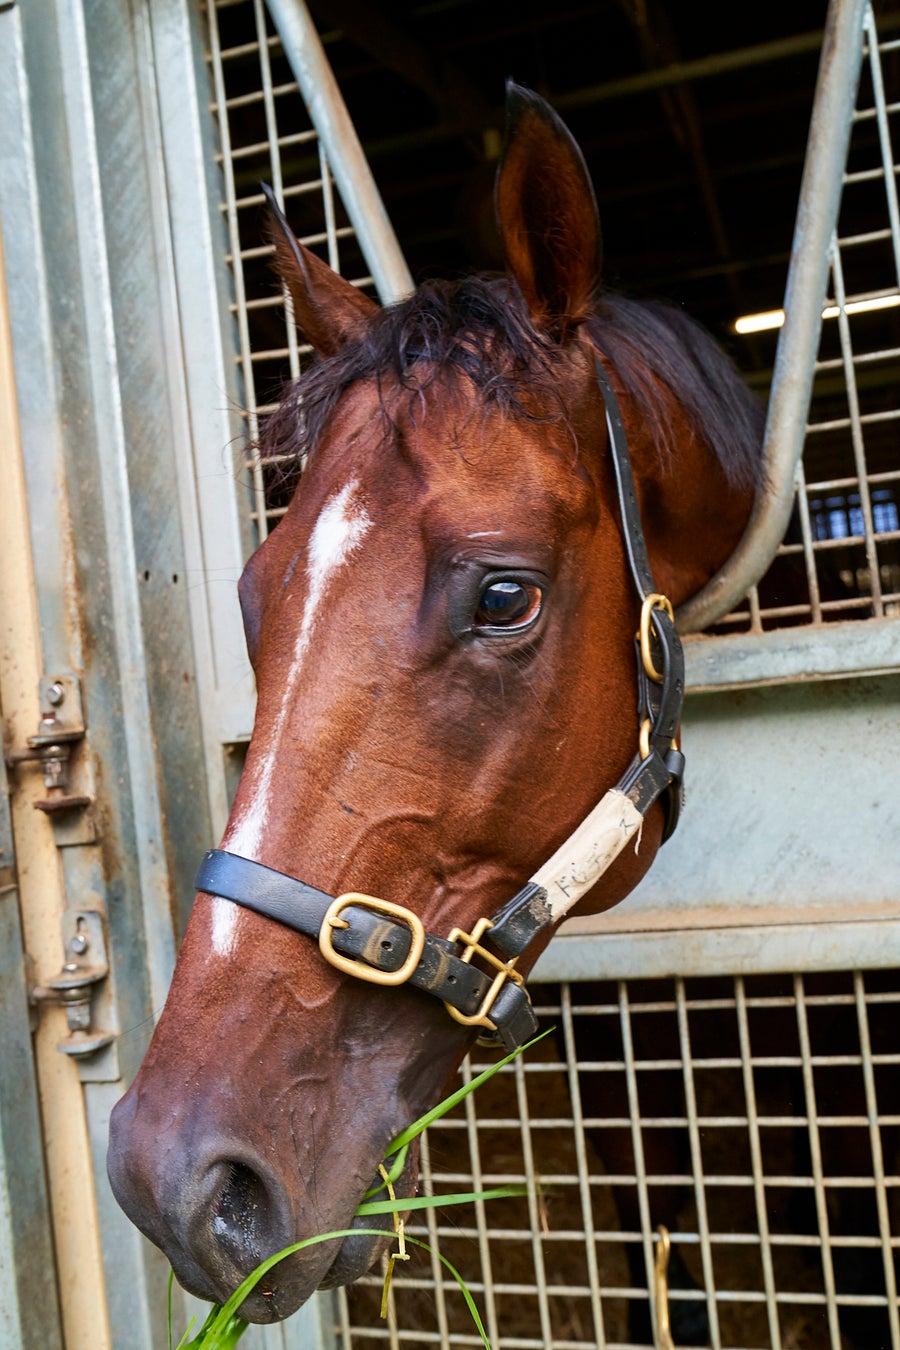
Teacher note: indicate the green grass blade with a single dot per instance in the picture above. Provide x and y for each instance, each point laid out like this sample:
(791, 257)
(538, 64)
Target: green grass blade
(470, 1302)
(400, 1145)
(223, 1327)
(413, 1131)
(402, 1204)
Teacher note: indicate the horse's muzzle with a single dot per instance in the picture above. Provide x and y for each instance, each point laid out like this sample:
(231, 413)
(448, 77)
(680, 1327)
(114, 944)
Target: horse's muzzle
(217, 1212)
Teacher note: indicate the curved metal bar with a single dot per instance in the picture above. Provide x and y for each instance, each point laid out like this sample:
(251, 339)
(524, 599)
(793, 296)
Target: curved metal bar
(817, 212)
(307, 59)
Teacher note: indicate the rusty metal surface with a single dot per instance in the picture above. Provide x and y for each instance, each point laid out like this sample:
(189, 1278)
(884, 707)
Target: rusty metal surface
(29, 1302)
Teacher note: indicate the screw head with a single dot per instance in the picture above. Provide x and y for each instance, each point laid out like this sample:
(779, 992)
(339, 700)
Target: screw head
(55, 694)
(79, 944)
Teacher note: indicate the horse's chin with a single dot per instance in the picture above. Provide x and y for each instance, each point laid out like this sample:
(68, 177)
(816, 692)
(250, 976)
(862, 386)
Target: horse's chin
(291, 1285)
(291, 1282)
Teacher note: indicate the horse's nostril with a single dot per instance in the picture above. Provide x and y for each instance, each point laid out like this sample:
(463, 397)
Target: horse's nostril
(241, 1216)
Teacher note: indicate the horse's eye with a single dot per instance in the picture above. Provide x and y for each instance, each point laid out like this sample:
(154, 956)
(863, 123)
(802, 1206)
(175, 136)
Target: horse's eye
(508, 604)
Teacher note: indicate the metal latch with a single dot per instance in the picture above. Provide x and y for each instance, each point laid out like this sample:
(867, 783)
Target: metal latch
(85, 966)
(61, 726)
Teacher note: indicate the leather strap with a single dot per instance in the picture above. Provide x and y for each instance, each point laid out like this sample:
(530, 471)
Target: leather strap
(371, 938)
(660, 702)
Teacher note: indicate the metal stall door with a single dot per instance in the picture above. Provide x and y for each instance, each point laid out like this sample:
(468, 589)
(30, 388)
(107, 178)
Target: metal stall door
(29, 1306)
(29, 1300)
(122, 218)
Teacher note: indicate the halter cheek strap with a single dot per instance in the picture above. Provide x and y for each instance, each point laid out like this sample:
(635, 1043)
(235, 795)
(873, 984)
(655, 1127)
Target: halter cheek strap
(383, 943)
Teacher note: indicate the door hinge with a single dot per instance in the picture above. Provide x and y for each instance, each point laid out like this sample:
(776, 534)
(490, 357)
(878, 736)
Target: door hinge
(84, 968)
(54, 748)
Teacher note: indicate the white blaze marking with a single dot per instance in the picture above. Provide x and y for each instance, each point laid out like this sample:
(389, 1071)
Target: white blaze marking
(338, 532)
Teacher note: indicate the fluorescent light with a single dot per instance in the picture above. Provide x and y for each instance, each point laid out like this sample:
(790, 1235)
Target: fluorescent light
(774, 318)
(863, 306)
(758, 323)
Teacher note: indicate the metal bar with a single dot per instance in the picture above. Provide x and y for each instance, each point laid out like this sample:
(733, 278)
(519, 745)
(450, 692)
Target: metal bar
(881, 1199)
(884, 137)
(820, 195)
(331, 230)
(306, 56)
(637, 1143)
(856, 433)
(756, 1160)
(440, 1300)
(209, 391)
(478, 1183)
(699, 1181)
(533, 1206)
(240, 307)
(584, 1187)
(29, 1304)
(277, 180)
(815, 1149)
(812, 576)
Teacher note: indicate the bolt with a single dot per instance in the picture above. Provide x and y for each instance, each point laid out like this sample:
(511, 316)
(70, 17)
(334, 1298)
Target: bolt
(55, 694)
(79, 944)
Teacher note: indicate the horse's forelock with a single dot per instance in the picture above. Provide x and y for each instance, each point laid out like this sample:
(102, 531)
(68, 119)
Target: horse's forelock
(479, 327)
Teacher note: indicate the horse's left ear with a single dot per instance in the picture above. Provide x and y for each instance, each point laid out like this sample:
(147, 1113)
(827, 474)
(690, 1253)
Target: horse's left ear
(327, 309)
(547, 214)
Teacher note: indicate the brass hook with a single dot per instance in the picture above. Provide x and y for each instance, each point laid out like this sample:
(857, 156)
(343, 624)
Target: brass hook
(661, 1289)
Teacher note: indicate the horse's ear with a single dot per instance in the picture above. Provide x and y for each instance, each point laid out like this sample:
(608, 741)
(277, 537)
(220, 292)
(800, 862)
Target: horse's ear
(327, 309)
(547, 214)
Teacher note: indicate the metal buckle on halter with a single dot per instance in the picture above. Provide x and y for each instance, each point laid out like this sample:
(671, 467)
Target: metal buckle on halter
(371, 974)
(652, 602)
(504, 969)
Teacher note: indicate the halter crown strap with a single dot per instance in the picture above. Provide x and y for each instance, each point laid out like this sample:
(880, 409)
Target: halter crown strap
(386, 944)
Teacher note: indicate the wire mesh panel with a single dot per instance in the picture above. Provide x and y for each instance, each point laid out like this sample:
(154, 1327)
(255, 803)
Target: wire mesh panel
(757, 1120)
(841, 557)
(266, 135)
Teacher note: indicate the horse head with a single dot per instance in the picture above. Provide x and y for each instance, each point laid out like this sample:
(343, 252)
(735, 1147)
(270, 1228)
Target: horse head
(442, 629)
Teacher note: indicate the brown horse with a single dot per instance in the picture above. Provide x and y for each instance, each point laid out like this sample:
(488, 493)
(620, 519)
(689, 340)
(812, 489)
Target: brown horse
(443, 633)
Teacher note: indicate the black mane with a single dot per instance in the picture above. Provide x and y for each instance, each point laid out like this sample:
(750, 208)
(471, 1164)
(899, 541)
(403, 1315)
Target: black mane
(479, 326)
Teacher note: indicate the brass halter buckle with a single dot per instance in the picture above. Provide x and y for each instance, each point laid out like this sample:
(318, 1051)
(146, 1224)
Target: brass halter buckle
(471, 942)
(652, 602)
(371, 974)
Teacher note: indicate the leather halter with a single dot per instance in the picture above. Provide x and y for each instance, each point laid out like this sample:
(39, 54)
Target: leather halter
(383, 943)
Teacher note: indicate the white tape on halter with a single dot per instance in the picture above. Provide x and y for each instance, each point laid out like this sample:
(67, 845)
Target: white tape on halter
(580, 862)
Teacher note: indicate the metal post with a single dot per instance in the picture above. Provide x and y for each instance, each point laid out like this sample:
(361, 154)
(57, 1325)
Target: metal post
(820, 196)
(360, 196)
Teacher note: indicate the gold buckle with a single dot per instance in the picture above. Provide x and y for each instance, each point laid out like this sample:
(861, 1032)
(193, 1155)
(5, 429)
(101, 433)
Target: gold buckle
(651, 603)
(371, 974)
(504, 971)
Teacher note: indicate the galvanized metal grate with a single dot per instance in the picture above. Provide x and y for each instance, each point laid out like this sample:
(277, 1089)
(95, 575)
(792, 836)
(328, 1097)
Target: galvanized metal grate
(758, 1119)
(265, 134)
(841, 558)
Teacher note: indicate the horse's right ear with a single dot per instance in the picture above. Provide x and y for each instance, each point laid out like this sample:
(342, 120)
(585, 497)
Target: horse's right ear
(547, 214)
(327, 309)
